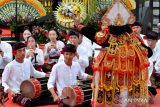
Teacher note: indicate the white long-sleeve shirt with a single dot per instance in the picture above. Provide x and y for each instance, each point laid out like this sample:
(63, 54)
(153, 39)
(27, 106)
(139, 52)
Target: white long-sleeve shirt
(39, 57)
(155, 58)
(7, 57)
(88, 45)
(63, 76)
(15, 73)
(53, 52)
(83, 59)
(144, 40)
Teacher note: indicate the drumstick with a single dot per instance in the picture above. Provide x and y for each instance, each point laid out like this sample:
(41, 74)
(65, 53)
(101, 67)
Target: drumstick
(103, 49)
(67, 97)
(83, 85)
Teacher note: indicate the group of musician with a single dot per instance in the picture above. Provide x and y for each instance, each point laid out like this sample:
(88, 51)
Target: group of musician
(67, 61)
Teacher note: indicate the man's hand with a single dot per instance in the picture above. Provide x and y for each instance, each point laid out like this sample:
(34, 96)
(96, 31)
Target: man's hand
(89, 77)
(49, 48)
(47, 74)
(77, 24)
(56, 98)
(10, 92)
(76, 21)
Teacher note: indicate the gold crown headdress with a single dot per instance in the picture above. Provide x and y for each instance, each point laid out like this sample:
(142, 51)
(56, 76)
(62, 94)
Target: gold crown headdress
(118, 15)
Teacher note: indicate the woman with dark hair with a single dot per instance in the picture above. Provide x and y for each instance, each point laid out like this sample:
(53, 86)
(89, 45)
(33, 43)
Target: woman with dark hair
(52, 49)
(34, 54)
(26, 33)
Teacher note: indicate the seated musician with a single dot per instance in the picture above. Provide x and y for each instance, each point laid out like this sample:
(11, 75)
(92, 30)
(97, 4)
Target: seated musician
(154, 68)
(81, 55)
(17, 71)
(34, 54)
(5, 53)
(65, 73)
(52, 49)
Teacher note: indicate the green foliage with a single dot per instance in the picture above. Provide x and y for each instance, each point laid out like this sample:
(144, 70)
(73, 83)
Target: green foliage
(40, 35)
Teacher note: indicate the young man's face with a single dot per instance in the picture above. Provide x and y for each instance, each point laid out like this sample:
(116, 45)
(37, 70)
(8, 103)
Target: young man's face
(151, 43)
(73, 39)
(20, 54)
(136, 29)
(68, 56)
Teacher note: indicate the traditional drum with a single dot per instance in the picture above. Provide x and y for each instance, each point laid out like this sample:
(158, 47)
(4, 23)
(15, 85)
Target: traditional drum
(77, 94)
(34, 87)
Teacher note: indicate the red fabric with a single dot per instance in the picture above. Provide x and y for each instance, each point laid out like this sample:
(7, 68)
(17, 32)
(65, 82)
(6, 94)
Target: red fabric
(14, 52)
(6, 32)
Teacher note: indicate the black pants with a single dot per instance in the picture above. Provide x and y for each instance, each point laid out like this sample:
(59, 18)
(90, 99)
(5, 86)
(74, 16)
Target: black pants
(152, 90)
(40, 101)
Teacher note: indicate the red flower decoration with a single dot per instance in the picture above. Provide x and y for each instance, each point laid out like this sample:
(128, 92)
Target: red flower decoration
(99, 24)
(46, 34)
(62, 52)
(67, 37)
(145, 38)
(26, 43)
(14, 52)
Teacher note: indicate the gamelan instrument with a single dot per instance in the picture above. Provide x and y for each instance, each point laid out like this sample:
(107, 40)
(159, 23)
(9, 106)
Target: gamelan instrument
(3, 95)
(77, 94)
(34, 87)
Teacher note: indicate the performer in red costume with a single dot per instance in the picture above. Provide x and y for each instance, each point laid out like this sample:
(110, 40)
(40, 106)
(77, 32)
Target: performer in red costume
(121, 68)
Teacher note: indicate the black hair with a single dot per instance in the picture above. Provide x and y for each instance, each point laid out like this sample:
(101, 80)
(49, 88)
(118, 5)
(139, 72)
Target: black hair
(56, 30)
(118, 30)
(73, 32)
(69, 48)
(152, 35)
(136, 23)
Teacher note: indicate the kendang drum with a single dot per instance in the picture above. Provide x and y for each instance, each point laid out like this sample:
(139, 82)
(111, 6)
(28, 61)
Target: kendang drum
(34, 87)
(77, 95)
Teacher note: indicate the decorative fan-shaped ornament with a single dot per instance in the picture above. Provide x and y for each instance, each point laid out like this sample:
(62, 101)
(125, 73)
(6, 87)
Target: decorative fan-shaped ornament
(118, 15)
(28, 10)
(131, 4)
(102, 4)
(67, 11)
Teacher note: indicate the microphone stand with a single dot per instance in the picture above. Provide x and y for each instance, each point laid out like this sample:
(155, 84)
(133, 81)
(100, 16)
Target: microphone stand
(36, 63)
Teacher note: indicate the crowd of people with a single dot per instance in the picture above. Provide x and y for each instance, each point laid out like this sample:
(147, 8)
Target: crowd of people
(68, 62)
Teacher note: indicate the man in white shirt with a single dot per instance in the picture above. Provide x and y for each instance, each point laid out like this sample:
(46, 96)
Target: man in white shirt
(81, 55)
(154, 68)
(18, 70)
(65, 73)
(5, 53)
(152, 42)
(137, 28)
(85, 42)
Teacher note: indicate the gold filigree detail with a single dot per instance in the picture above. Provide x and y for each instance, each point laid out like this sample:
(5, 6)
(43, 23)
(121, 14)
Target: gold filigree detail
(118, 20)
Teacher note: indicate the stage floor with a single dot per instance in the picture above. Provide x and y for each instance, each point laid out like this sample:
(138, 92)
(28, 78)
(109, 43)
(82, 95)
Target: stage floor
(9, 103)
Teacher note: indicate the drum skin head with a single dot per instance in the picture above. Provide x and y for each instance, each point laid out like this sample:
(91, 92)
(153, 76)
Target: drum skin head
(27, 89)
(69, 92)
